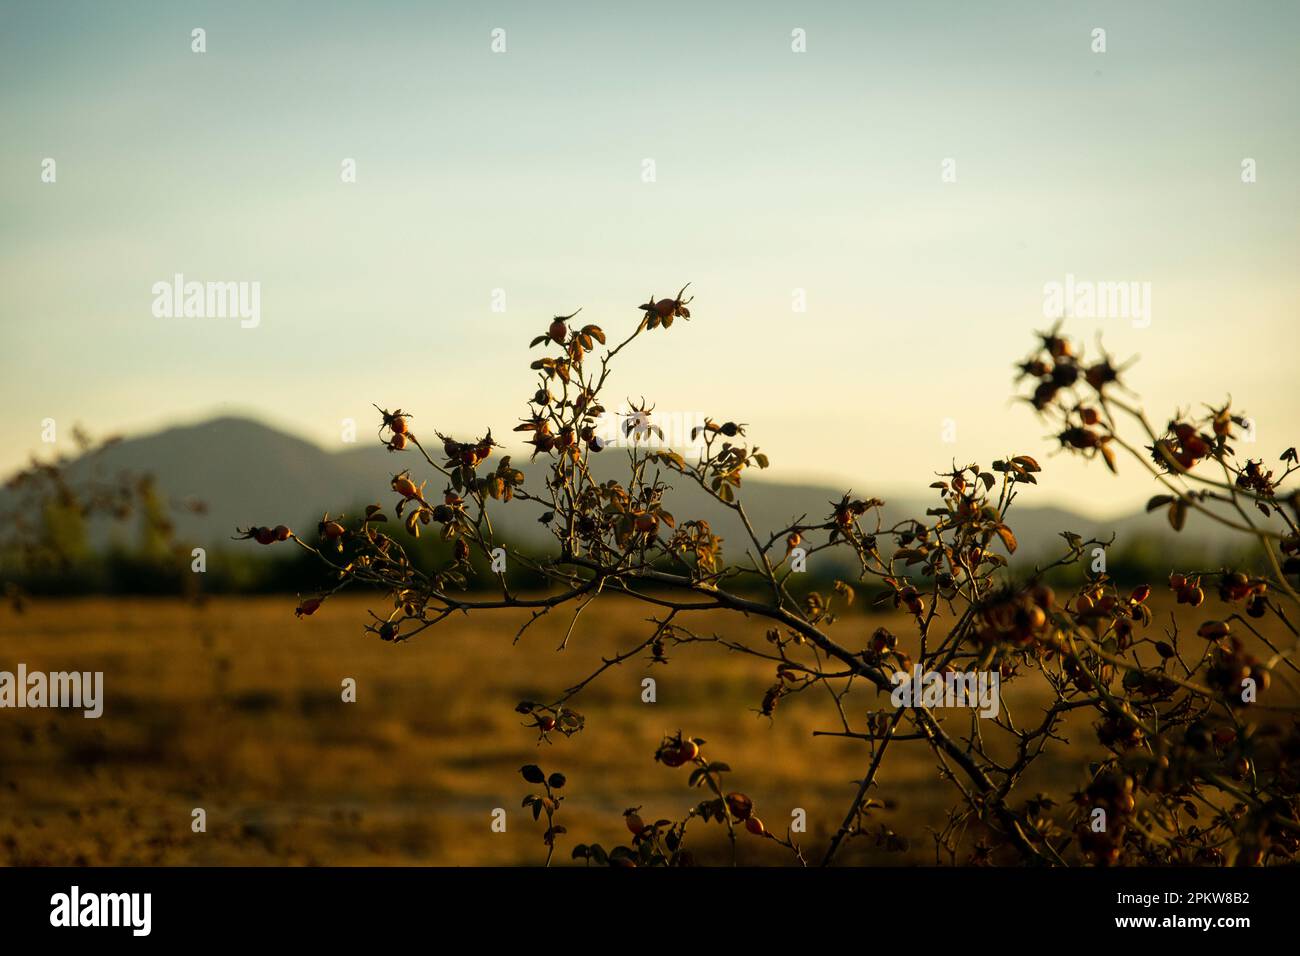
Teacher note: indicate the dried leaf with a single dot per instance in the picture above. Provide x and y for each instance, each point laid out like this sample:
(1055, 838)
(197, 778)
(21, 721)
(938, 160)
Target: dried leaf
(1178, 514)
(1008, 538)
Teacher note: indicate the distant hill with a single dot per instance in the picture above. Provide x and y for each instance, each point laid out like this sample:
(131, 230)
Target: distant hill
(248, 473)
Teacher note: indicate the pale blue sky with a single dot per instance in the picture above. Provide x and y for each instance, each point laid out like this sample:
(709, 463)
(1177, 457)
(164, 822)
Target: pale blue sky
(522, 171)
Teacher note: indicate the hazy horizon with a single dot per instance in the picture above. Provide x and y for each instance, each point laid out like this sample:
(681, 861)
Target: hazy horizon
(522, 455)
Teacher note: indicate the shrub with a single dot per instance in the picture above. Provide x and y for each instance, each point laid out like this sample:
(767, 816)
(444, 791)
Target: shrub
(1202, 750)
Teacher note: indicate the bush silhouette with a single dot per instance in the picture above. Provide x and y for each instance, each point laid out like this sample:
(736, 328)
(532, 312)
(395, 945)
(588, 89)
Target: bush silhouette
(1202, 745)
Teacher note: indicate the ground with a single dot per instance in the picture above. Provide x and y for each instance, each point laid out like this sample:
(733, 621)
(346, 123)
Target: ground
(235, 706)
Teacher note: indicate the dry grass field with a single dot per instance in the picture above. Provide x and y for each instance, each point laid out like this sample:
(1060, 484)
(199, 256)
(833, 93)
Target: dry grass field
(235, 706)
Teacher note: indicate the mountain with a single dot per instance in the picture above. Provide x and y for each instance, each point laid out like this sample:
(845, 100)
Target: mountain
(248, 473)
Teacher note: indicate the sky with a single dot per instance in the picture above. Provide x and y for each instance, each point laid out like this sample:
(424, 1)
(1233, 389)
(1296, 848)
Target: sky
(519, 176)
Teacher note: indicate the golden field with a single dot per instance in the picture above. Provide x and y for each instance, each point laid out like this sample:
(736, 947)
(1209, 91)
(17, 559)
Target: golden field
(233, 705)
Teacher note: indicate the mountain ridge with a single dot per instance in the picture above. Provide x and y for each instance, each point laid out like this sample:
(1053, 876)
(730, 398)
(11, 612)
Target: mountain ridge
(247, 472)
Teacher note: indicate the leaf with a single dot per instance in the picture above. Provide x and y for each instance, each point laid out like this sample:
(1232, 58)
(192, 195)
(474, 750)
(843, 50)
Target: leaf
(1008, 538)
(1178, 514)
(533, 773)
(671, 458)
(1159, 501)
(1109, 457)
(556, 781)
